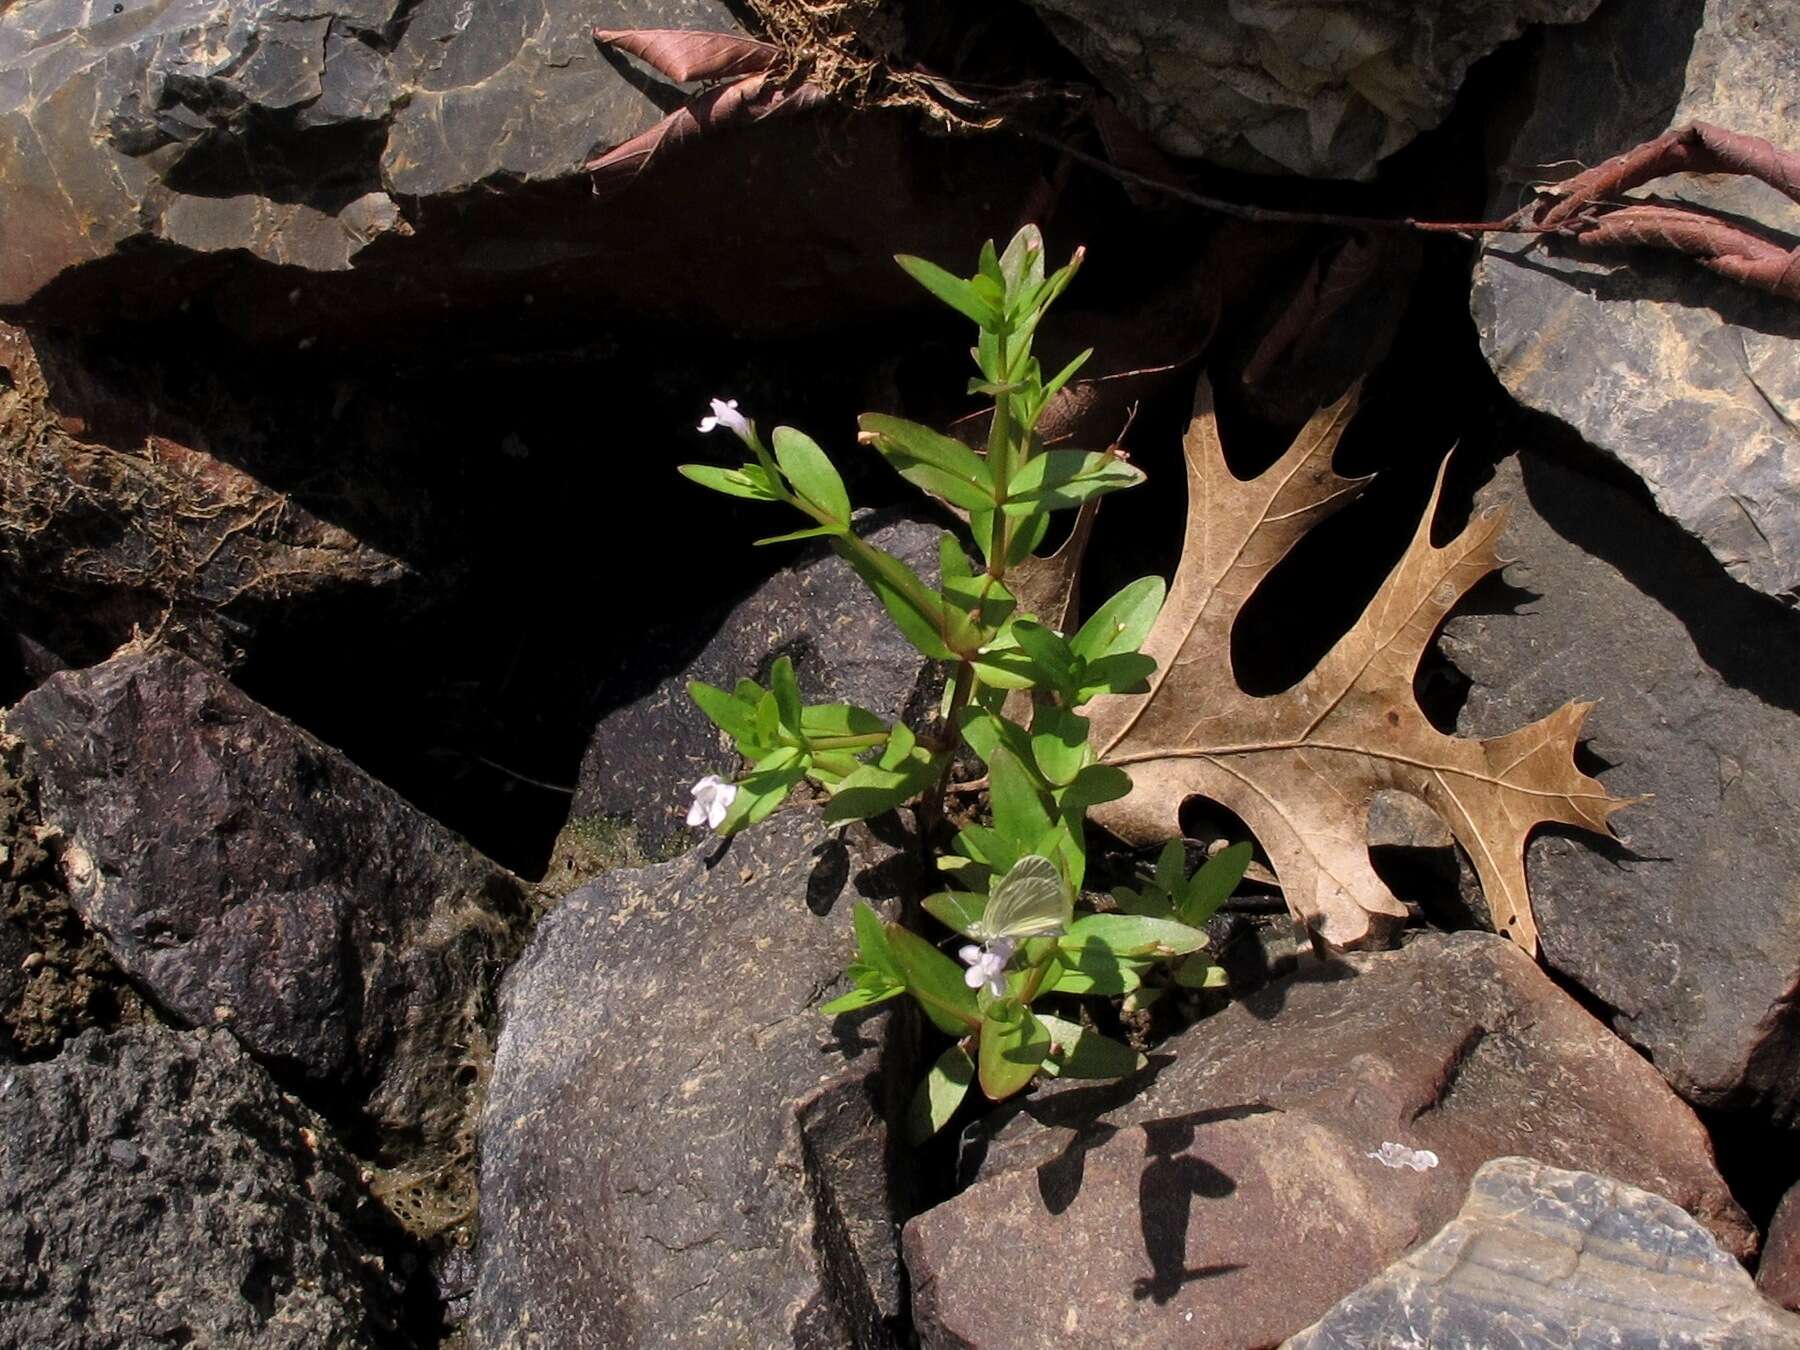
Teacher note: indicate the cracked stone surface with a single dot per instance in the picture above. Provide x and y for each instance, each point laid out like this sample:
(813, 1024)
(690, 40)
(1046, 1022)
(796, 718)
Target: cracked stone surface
(1230, 1193)
(245, 876)
(157, 1189)
(1778, 1274)
(336, 170)
(1540, 1258)
(1689, 381)
(1687, 929)
(1324, 90)
(645, 754)
(677, 1148)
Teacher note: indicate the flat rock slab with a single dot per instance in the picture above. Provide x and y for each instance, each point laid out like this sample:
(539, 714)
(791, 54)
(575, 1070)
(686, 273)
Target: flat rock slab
(157, 1189)
(346, 171)
(1689, 929)
(1234, 1193)
(1689, 381)
(246, 876)
(1294, 86)
(644, 1176)
(1545, 1259)
(646, 753)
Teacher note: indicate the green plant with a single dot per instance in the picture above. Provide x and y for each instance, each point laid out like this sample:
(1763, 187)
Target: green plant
(1012, 884)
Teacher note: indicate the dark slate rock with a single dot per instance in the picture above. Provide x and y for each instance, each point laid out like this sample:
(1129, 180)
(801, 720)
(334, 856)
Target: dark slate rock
(1544, 1259)
(1687, 930)
(1236, 1191)
(246, 876)
(1291, 86)
(646, 1179)
(1778, 1273)
(646, 753)
(348, 171)
(157, 1189)
(1690, 381)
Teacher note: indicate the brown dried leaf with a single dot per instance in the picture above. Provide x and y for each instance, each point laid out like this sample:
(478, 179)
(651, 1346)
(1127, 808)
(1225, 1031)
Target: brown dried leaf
(683, 56)
(1301, 767)
(749, 100)
(1698, 147)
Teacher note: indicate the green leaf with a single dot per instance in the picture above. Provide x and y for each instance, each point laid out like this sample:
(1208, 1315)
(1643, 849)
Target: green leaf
(731, 714)
(1022, 264)
(959, 911)
(863, 996)
(1048, 651)
(1091, 970)
(1003, 667)
(1213, 884)
(872, 789)
(1123, 622)
(811, 473)
(917, 610)
(960, 295)
(1081, 1052)
(1059, 743)
(811, 532)
(900, 743)
(840, 719)
(989, 264)
(749, 481)
(1198, 973)
(764, 788)
(1149, 902)
(940, 1094)
(1171, 868)
(987, 846)
(944, 467)
(1063, 376)
(935, 981)
(787, 695)
(1013, 1046)
(1133, 935)
(1020, 815)
(1056, 479)
(872, 942)
(1126, 673)
(1095, 784)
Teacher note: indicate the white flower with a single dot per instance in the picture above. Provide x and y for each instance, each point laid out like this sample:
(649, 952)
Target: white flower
(987, 965)
(712, 799)
(725, 414)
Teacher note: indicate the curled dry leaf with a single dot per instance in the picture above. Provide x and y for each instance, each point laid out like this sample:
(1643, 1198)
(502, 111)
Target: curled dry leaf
(1300, 767)
(748, 100)
(683, 56)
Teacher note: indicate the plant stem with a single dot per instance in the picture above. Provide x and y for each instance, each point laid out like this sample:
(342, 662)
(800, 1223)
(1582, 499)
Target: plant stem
(848, 742)
(931, 807)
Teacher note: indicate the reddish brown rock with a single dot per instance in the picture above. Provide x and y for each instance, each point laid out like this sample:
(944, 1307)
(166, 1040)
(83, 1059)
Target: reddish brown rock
(1237, 1195)
(1778, 1275)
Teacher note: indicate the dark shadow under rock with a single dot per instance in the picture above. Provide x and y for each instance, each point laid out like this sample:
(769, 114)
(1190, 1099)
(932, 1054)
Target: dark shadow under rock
(1265, 1169)
(645, 1176)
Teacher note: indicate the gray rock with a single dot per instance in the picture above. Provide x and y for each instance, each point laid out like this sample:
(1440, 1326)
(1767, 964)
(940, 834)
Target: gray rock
(1544, 1259)
(645, 1179)
(1258, 1173)
(348, 171)
(646, 753)
(246, 876)
(1778, 1273)
(1687, 930)
(157, 1189)
(1323, 90)
(1689, 381)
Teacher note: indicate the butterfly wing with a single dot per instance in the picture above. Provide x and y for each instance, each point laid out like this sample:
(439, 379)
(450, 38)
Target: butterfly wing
(1031, 900)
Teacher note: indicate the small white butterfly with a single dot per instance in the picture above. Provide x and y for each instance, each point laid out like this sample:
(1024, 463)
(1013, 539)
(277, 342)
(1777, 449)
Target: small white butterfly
(1031, 900)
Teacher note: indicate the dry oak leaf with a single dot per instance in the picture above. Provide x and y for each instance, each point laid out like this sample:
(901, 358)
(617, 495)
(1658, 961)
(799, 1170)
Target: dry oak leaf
(1301, 767)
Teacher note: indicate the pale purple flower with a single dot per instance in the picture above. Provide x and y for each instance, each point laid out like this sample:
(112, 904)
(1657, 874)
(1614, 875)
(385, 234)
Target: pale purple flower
(712, 799)
(987, 965)
(725, 414)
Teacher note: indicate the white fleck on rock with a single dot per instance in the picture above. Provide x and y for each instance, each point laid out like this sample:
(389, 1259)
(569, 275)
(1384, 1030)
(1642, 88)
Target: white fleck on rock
(1391, 1154)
